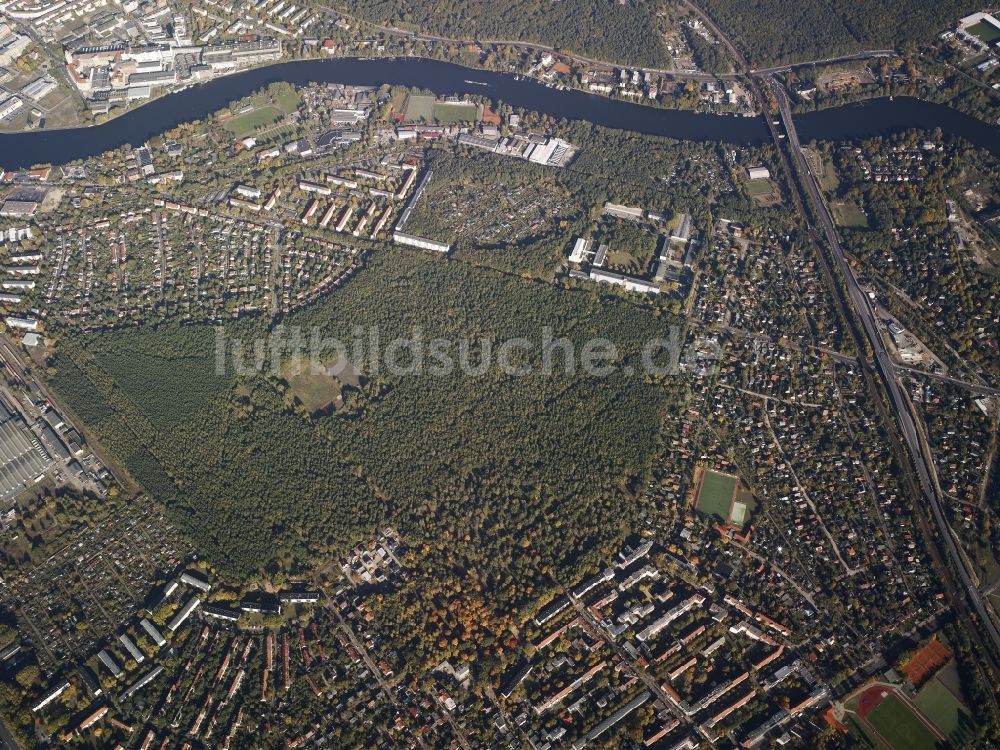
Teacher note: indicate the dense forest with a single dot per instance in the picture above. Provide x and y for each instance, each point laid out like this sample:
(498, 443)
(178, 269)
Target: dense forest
(770, 34)
(502, 484)
(602, 29)
(626, 32)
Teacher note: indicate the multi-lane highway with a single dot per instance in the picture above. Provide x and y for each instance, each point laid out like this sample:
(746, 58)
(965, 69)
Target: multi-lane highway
(883, 364)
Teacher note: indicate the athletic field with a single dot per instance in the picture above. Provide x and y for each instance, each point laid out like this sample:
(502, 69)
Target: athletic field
(247, 123)
(447, 113)
(419, 107)
(945, 711)
(890, 722)
(898, 726)
(715, 494)
(986, 32)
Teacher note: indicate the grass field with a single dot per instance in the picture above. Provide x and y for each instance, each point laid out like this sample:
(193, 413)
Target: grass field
(447, 114)
(763, 192)
(825, 172)
(419, 107)
(288, 100)
(985, 32)
(828, 178)
(860, 734)
(848, 215)
(277, 134)
(316, 391)
(630, 246)
(247, 123)
(898, 725)
(944, 710)
(716, 494)
(627, 262)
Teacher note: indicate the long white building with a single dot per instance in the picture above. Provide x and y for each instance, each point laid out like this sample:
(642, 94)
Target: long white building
(183, 614)
(630, 283)
(423, 243)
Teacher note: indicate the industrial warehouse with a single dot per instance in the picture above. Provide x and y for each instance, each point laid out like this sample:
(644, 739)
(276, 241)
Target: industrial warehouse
(22, 457)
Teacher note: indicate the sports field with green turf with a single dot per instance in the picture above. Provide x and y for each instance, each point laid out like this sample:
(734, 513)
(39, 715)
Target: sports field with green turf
(248, 122)
(419, 107)
(287, 100)
(715, 496)
(447, 113)
(986, 32)
(945, 711)
(900, 727)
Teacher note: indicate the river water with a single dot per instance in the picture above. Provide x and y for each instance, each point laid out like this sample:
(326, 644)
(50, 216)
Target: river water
(18, 150)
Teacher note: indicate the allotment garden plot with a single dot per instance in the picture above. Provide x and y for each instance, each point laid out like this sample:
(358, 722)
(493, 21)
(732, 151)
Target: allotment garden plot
(506, 214)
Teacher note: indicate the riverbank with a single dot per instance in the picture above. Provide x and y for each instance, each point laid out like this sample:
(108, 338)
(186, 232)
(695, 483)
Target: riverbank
(886, 115)
(471, 70)
(23, 149)
(987, 111)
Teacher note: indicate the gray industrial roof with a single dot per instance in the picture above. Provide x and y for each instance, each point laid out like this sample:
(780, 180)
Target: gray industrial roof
(22, 458)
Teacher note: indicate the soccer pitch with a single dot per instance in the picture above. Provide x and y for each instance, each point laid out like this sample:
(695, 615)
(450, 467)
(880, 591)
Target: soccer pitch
(986, 32)
(715, 496)
(898, 726)
(448, 113)
(760, 187)
(939, 705)
(420, 107)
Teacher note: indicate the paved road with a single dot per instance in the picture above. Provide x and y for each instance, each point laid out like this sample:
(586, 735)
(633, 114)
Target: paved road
(809, 501)
(645, 677)
(783, 573)
(370, 664)
(884, 366)
(864, 310)
(7, 737)
(742, 63)
(986, 87)
(425, 37)
(456, 728)
(979, 390)
(870, 54)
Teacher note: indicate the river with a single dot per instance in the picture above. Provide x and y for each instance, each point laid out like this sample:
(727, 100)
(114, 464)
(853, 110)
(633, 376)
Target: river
(19, 150)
